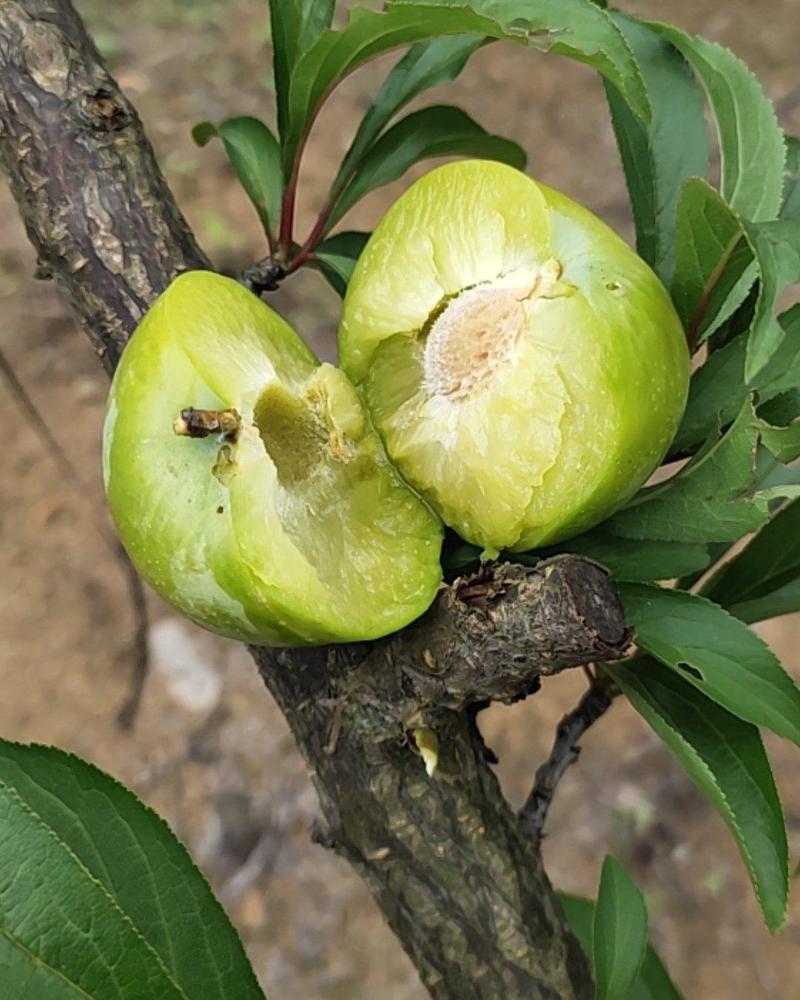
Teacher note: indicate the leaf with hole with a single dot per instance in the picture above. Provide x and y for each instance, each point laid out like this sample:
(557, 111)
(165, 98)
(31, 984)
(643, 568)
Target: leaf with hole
(89, 871)
(439, 131)
(725, 758)
(619, 932)
(717, 653)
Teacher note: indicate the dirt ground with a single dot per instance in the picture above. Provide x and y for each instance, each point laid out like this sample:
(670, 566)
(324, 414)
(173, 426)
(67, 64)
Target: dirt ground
(209, 749)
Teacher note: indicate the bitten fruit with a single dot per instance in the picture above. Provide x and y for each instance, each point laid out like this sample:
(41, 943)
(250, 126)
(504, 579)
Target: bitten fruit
(524, 367)
(247, 484)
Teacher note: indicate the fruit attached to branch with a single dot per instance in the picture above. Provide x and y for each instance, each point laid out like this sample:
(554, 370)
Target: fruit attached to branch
(247, 483)
(525, 368)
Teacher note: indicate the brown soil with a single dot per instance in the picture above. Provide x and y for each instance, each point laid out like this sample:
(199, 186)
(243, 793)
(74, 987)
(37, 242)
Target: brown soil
(209, 750)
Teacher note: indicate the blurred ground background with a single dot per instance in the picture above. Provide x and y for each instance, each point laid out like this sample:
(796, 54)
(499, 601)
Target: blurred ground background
(209, 749)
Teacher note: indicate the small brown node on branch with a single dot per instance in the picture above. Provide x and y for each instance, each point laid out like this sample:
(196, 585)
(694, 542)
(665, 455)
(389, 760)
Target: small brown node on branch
(265, 275)
(103, 112)
(203, 423)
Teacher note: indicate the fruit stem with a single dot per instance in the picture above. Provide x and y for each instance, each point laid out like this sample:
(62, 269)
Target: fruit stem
(203, 423)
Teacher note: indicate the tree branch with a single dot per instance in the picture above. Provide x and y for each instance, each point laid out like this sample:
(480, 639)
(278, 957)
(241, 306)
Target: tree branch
(96, 207)
(456, 874)
(592, 706)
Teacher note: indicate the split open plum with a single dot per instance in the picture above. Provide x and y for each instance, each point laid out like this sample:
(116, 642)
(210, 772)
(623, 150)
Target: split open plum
(272, 515)
(524, 367)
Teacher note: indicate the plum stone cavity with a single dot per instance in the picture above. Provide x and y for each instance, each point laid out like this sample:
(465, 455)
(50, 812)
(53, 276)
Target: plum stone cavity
(475, 331)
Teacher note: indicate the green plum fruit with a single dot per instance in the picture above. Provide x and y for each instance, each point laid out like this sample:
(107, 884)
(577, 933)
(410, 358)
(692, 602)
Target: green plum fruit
(524, 367)
(247, 483)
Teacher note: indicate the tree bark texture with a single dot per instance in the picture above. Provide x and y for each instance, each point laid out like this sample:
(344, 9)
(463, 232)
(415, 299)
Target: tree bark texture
(453, 870)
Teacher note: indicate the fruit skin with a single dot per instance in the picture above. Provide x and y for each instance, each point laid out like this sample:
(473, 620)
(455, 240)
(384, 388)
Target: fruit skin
(262, 552)
(569, 423)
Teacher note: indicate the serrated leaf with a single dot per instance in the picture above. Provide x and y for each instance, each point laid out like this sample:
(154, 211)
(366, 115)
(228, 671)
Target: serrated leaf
(576, 28)
(718, 389)
(763, 580)
(708, 500)
(295, 26)
(441, 130)
(715, 261)
(653, 982)
(780, 426)
(336, 258)
(619, 932)
(790, 209)
(751, 142)
(88, 870)
(725, 758)
(716, 653)
(425, 65)
(777, 247)
(626, 559)
(658, 156)
(255, 155)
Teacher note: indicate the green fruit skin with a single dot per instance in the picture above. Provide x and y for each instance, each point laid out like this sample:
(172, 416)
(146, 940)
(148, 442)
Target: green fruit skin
(583, 412)
(350, 554)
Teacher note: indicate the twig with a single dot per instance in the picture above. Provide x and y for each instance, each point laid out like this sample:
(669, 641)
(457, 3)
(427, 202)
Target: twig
(129, 709)
(595, 702)
(141, 658)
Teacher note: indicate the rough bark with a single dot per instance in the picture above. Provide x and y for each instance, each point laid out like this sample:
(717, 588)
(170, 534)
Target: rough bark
(97, 208)
(450, 865)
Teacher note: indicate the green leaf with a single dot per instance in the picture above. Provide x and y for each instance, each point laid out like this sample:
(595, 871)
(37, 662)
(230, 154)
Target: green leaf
(782, 372)
(256, 157)
(780, 426)
(295, 25)
(97, 892)
(715, 260)
(717, 653)
(442, 130)
(619, 932)
(576, 28)
(425, 65)
(790, 208)
(708, 500)
(725, 758)
(626, 558)
(777, 246)
(751, 142)
(657, 157)
(718, 389)
(763, 580)
(336, 258)
(653, 982)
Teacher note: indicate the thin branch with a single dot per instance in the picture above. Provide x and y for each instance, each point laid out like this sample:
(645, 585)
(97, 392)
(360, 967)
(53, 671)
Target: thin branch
(126, 715)
(594, 704)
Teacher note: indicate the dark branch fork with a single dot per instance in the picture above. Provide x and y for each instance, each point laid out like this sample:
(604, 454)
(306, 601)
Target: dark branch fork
(457, 875)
